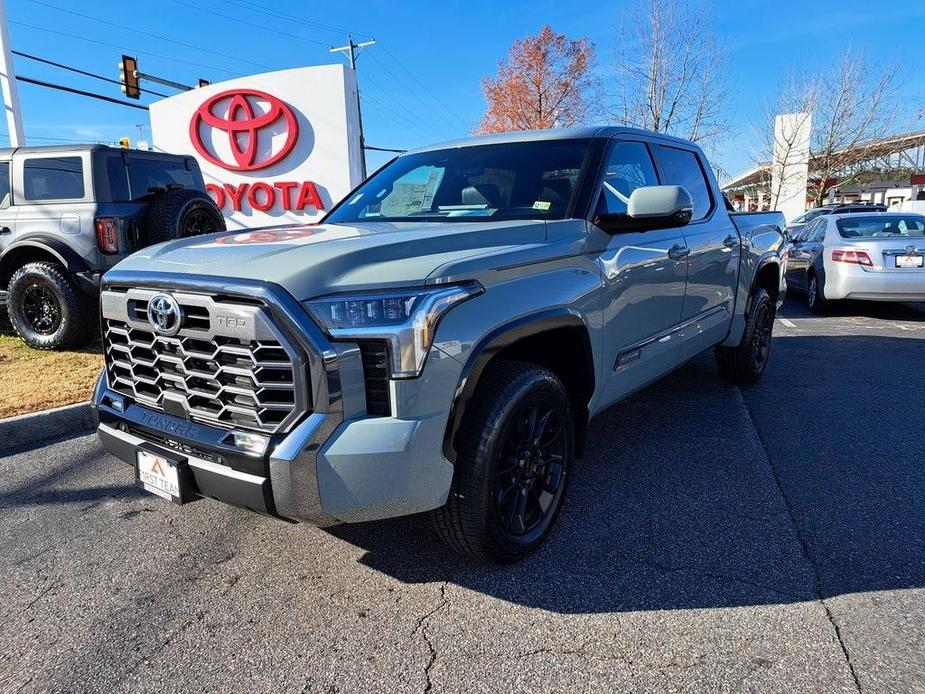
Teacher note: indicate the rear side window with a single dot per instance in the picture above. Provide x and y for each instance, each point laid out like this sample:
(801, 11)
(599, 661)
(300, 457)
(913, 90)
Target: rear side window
(682, 168)
(53, 178)
(4, 183)
(818, 232)
(150, 175)
(118, 179)
(628, 167)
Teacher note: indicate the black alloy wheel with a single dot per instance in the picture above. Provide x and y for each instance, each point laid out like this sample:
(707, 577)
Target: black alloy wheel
(761, 334)
(531, 468)
(40, 309)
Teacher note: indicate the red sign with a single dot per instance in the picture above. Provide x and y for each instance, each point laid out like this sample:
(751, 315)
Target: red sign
(245, 128)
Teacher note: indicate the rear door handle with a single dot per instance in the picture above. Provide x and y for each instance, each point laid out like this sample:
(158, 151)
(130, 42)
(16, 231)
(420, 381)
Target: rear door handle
(5, 230)
(731, 241)
(678, 251)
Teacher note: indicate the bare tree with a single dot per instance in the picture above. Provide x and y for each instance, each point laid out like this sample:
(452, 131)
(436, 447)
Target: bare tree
(671, 72)
(854, 105)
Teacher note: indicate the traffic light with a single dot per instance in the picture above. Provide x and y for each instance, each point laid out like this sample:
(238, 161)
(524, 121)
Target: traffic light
(128, 76)
(124, 143)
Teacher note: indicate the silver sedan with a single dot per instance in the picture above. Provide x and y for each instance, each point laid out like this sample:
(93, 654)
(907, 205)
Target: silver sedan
(875, 257)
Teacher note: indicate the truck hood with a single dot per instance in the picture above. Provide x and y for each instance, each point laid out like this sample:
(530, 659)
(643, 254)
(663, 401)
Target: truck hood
(313, 260)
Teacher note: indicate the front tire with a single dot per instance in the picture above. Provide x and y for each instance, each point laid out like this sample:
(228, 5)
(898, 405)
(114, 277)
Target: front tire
(46, 309)
(513, 465)
(745, 363)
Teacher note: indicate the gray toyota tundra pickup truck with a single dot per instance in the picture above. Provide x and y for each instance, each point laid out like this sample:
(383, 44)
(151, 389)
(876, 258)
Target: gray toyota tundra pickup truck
(441, 339)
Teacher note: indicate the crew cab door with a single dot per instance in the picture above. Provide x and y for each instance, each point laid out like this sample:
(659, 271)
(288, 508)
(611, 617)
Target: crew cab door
(644, 274)
(713, 263)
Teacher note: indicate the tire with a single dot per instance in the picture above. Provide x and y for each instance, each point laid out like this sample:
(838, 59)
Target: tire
(815, 299)
(176, 214)
(745, 363)
(47, 310)
(482, 518)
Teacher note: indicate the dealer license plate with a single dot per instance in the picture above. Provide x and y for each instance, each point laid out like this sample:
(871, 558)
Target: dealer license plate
(159, 476)
(910, 260)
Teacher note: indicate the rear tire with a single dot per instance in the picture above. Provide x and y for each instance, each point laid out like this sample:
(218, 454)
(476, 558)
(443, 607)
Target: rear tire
(180, 213)
(47, 310)
(815, 296)
(745, 363)
(513, 465)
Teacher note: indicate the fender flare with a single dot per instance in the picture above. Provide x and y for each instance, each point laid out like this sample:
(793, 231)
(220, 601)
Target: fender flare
(487, 347)
(768, 259)
(67, 256)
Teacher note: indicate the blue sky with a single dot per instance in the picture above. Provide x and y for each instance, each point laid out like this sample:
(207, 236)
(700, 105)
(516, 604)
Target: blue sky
(421, 81)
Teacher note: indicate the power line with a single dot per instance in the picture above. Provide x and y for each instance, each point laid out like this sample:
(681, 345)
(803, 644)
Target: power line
(413, 92)
(397, 117)
(385, 149)
(126, 49)
(122, 27)
(292, 18)
(423, 86)
(78, 70)
(250, 24)
(81, 92)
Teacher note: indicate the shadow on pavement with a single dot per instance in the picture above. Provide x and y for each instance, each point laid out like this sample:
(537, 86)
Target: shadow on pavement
(678, 505)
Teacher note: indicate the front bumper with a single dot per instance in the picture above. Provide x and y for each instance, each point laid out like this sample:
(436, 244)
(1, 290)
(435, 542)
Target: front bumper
(335, 464)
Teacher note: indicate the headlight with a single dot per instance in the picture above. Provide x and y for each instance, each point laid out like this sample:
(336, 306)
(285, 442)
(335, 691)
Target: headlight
(406, 319)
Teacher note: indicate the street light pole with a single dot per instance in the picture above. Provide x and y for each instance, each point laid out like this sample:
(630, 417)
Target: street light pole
(352, 50)
(8, 84)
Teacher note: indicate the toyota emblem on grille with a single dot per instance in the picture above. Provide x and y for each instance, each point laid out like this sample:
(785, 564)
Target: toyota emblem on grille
(164, 314)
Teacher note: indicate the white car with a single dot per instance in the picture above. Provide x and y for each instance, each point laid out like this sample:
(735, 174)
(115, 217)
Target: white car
(875, 257)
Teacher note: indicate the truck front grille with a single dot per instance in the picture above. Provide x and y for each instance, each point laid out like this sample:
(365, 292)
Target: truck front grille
(228, 365)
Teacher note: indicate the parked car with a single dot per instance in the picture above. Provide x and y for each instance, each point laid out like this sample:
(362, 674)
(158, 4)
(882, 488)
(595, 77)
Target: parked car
(797, 224)
(68, 214)
(876, 257)
(440, 341)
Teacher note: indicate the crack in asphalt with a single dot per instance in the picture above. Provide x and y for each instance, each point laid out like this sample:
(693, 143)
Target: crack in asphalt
(421, 627)
(804, 545)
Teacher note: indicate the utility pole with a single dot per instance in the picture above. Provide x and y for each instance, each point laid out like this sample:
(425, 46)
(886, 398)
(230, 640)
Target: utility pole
(8, 84)
(352, 50)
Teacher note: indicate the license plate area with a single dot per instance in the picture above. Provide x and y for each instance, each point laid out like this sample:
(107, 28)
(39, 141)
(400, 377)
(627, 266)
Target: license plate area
(163, 475)
(907, 261)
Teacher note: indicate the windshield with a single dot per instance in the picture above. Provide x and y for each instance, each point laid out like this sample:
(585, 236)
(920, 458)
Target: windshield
(809, 216)
(881, 226)
(516, 180)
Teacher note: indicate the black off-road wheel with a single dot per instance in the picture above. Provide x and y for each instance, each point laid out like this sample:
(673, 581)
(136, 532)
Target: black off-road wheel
(745, 363)
(513, 465)
(177, 214)
(47, 310)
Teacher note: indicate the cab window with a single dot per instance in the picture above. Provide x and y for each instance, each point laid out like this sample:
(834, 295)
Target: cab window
(53, 178)
(682, 168)
(4, 184)
(628, 167)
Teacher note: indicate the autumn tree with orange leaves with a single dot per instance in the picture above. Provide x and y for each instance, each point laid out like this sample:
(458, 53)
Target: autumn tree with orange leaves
(545, 82)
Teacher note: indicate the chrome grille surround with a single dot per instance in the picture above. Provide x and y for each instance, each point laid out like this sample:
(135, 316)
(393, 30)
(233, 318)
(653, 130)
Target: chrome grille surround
(229, 366)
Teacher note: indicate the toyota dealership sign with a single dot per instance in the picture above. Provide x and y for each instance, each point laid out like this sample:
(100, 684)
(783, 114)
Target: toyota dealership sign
(274, 148)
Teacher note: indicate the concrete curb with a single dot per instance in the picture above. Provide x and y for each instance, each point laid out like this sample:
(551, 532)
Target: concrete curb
(28, 430)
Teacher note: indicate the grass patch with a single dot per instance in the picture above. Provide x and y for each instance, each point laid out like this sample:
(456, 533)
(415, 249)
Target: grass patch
(33, 380)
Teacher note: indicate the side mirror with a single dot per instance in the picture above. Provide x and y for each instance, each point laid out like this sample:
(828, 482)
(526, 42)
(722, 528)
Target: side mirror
(650, 207)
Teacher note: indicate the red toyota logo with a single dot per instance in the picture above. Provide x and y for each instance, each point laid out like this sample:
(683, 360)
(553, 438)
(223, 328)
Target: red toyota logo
(244, 127)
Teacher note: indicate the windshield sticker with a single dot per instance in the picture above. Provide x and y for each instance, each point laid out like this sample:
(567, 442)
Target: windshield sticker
(542, 205)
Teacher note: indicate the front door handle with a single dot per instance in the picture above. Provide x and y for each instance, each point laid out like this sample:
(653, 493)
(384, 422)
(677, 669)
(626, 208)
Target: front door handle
(678, 251)
(731, 241)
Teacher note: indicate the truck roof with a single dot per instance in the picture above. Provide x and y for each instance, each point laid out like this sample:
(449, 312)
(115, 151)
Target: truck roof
(7, 152)
(578, 133)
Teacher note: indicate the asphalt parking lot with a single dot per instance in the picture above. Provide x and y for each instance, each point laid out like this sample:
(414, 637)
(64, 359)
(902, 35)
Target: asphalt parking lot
(769, 538)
